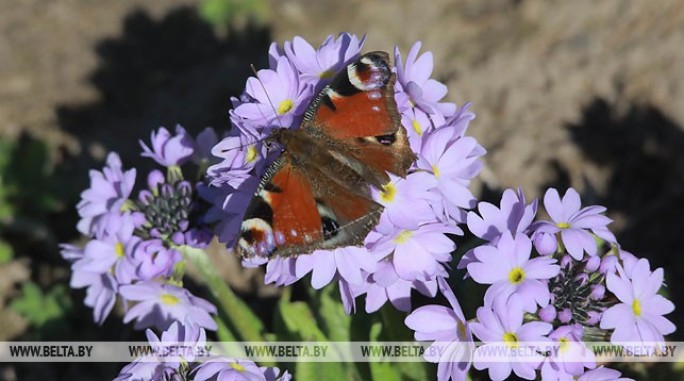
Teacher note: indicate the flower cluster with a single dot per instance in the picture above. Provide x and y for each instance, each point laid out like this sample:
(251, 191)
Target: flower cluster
(185, 365)
(134, 244)
(410, 246)
(560, 282)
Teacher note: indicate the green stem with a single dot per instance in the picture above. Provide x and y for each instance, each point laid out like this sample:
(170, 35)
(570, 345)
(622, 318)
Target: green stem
(247, 325)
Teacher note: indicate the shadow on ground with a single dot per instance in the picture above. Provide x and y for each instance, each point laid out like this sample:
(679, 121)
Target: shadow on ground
(643, 151)
(161, 73)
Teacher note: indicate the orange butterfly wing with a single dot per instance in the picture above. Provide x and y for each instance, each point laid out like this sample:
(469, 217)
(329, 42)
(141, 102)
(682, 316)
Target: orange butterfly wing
(316, 194)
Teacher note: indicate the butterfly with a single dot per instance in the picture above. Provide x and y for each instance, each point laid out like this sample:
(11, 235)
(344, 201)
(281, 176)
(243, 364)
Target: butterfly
(317, 193)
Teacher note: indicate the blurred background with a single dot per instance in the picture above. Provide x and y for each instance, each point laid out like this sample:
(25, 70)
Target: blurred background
(585, 94)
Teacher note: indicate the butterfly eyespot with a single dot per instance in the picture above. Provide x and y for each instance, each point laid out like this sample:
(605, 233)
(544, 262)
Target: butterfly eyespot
(386, 139)
(330, 227)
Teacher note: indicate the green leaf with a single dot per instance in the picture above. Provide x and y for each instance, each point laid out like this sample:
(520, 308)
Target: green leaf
(334, 322)
(394, 329)
(382, 370)
(245, 324)
(220, 13)
(297, 320)
(6, 252)
(40, 309)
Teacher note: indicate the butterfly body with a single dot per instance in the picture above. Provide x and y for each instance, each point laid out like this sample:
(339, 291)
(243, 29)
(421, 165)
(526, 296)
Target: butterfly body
(316, 195)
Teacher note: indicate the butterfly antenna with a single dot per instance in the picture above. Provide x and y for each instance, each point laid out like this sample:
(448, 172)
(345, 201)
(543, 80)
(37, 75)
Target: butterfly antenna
(256, 74)
(280, 123)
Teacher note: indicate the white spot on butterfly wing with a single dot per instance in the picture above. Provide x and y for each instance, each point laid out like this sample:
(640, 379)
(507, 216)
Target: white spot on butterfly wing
(374, 95)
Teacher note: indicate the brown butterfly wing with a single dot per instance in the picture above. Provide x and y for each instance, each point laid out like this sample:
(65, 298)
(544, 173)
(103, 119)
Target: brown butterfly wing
(357, 114)
(316, 195)
(298, 209)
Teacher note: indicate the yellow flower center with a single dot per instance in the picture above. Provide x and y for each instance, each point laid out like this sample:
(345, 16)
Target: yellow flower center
(510, 339)
(636, 307)
(564, 344)
(119, 250)
(416, 127)
(403, 237)
(461, 329)
(563, 225)
(435, 170)
(389, 192)
(285, 106)
(169, 299)
(326, 74)
(237, 367)
(251, 154)
(516, 275)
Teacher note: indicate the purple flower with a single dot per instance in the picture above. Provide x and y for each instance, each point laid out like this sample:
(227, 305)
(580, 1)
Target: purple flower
(513, 216)
(160, 305)
(317, 67)
(418, 125)
(113, 252)
(154, 259)
(407, 201)
(225, 369)
(413, 77)
(448, 328)
(453, 161)
(418, 254)
(639, 315)
(150, 367)
(509, 269)
(348, 263)
(569, 356)
(239, 155)
(280, 98)
(70, 252)
(502, 324)
(168, 150)
(385, 285)
(204, 143)
(602, 374)
(574, 223)
(100, 294)
(106, 196)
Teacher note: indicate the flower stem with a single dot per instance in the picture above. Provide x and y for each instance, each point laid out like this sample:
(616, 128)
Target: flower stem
(246, 324)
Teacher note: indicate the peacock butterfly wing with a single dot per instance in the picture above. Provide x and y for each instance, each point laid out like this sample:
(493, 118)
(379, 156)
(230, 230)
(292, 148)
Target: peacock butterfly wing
(298, 209)
(316, 195)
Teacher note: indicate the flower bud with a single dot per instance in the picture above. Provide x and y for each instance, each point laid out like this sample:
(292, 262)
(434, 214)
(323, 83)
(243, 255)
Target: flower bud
(545, 243)
(582, 279)
(565, 315)
(594, 318)
(548, 313)
(608, 264)
(154, 179)
(566, 262)
(597, 291)
(592, 263)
